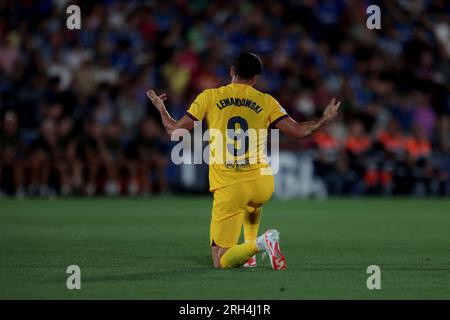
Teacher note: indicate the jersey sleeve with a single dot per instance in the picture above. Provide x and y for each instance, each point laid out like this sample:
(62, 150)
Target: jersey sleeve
(197, 110)
(277, 112)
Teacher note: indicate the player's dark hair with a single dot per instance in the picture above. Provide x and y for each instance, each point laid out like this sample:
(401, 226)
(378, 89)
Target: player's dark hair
(247, 65)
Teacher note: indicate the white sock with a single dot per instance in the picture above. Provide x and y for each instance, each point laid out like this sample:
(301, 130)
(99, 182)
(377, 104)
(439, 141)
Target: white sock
(260, 243)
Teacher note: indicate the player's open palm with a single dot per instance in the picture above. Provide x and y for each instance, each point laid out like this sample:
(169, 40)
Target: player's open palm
(331, 110)
(158, 101)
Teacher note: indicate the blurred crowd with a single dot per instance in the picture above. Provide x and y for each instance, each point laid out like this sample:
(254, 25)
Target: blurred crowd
(75, 119)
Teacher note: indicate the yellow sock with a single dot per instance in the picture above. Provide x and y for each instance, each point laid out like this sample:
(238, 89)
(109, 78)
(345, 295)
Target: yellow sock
(252, 218)
(239, 254)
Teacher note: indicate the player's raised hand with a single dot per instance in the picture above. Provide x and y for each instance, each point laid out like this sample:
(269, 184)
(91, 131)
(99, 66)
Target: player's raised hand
(158, 101)
(331, 110)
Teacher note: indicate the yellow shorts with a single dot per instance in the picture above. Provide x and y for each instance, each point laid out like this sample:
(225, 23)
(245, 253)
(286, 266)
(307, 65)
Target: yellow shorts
(230, 204)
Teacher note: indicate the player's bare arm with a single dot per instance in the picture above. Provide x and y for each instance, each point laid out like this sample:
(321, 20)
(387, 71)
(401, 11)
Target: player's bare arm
(305, 129)
(169, 123)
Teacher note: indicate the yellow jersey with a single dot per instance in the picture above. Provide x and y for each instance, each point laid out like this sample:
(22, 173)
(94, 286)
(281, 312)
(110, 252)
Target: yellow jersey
(238, 117)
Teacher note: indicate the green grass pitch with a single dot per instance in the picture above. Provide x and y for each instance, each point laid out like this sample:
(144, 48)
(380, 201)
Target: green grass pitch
(157, 248)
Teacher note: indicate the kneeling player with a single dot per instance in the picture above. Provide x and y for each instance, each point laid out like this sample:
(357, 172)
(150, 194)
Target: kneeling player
(241, 188)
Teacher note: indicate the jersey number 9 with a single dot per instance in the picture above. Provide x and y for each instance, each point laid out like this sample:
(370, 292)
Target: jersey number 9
(239, 137)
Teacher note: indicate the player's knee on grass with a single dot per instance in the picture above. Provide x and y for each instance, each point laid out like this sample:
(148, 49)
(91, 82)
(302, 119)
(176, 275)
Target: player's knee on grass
(217, 253)
(214, 254)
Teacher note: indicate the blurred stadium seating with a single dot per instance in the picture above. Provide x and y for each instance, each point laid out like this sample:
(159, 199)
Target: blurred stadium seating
(75, 119)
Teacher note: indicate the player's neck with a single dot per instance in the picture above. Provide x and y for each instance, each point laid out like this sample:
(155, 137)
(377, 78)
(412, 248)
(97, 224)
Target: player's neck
(239, 81)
